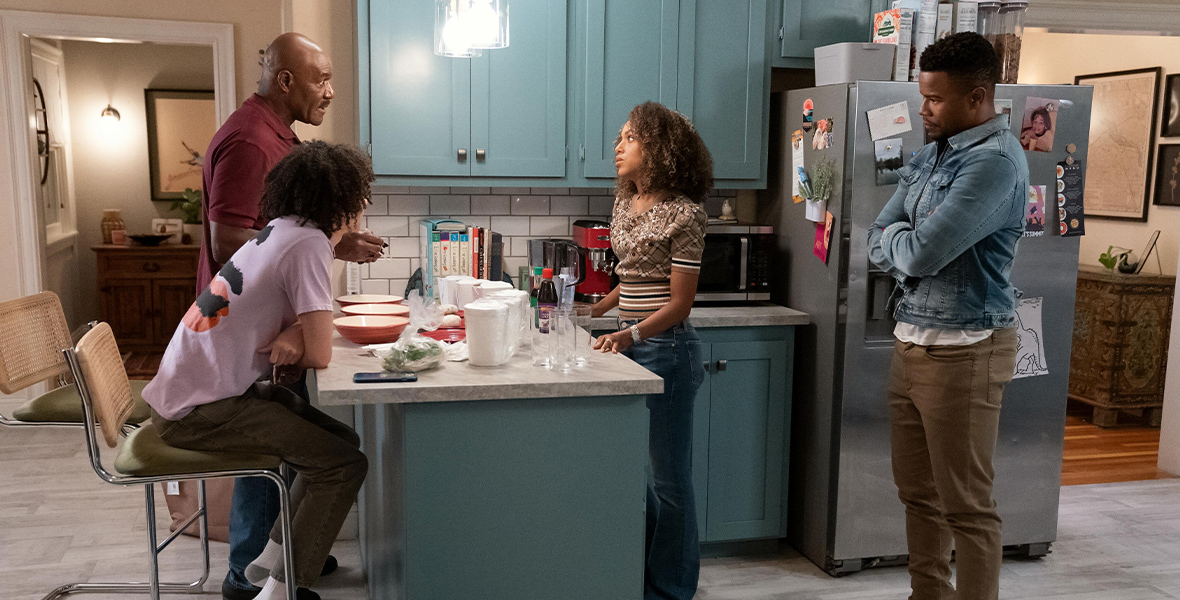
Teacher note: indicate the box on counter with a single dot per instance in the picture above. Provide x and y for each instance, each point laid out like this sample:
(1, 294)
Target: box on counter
(172, 227)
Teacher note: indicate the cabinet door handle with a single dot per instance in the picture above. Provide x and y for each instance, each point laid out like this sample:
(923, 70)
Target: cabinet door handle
(480, 154)
(151, 267)
(721, 365)
(708, 366)
(462, 154)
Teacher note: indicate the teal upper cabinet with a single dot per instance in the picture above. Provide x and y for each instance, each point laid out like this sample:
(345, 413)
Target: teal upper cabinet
(808, 24)
(499, 115)
(420, 104)
(704, 58)
(723, 81)
(630, 59)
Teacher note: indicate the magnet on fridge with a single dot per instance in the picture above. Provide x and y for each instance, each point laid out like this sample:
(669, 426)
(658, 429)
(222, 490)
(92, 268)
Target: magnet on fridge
(808, 114)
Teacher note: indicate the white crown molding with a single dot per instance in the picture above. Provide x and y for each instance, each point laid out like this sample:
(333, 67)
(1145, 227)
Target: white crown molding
(1105, 15)
(18, 205)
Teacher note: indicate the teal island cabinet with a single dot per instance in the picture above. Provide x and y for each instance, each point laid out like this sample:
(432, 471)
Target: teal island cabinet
(505, 483)
(741, 421)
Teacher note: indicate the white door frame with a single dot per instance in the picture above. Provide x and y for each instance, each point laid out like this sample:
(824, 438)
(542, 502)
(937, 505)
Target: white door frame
(22, 269)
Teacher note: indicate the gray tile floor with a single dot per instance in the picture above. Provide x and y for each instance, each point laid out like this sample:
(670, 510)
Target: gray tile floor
(59, 523)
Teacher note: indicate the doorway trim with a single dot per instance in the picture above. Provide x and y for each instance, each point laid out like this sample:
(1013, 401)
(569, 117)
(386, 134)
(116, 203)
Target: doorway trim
(22, 262)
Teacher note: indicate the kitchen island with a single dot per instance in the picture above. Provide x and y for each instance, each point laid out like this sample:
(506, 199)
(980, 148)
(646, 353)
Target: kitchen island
(512, 483)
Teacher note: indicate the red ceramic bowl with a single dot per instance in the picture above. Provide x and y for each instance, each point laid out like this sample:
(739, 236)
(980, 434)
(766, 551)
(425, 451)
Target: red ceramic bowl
(368, 329)
(368, 299)
(388, 310)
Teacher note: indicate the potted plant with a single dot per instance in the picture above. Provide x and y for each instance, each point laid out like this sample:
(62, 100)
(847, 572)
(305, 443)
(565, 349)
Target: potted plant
(1122, 258)
(190, 208)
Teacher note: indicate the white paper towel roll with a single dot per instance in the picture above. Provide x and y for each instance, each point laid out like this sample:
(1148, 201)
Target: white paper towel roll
(519, 313)
(488, 337)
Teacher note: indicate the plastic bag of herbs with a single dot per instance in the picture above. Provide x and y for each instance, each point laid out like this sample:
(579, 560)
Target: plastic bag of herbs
(413, 351)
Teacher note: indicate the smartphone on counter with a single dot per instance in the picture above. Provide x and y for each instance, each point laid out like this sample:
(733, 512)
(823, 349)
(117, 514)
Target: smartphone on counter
(384, 377)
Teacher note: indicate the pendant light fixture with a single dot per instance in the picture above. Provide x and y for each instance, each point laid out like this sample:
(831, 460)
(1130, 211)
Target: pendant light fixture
(464, 28)
(109, 114)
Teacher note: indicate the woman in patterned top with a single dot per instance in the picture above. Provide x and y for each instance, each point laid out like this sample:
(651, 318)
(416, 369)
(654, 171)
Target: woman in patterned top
(658, 234)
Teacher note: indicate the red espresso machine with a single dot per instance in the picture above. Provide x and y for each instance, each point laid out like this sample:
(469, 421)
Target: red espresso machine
(594, 239)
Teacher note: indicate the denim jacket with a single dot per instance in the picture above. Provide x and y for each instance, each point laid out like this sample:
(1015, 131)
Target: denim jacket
(949, 233)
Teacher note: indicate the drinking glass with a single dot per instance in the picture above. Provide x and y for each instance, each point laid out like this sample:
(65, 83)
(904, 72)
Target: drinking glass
(542, 350)
(563, 338)
(582, 326)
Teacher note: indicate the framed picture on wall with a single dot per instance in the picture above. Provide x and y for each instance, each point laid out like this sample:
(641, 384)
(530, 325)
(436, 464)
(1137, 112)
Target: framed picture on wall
(1171, 121)
(180, 124)
(1167, 175)
(1122, 142)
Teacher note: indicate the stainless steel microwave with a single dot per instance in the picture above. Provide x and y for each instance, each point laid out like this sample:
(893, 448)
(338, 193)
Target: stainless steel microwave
(736, 264)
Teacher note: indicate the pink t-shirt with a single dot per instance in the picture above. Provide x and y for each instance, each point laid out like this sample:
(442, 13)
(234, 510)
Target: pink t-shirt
(283, 272)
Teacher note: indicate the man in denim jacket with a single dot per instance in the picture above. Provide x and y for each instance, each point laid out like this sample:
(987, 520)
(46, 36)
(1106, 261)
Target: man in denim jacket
(949, 236)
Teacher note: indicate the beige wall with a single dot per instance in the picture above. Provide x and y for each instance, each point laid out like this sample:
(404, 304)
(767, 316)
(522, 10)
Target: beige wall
(1057, 58)
(111, 162)
(332, 25)
(256, 22)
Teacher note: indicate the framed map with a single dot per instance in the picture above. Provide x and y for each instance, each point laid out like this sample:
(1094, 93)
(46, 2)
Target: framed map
(1122, 142)
(180, 125)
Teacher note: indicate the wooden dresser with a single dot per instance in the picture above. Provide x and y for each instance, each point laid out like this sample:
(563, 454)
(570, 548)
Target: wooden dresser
(1120, 343)
(144, 291)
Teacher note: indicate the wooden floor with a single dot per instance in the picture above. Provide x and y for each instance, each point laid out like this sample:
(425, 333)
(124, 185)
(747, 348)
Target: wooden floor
(59, 523)
(1107, 455)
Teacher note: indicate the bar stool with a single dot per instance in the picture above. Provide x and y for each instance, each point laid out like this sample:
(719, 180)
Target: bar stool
(33, 332)
(145, 459)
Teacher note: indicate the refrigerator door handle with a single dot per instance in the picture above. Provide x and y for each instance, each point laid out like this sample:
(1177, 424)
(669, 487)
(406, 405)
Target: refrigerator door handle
(745, 265)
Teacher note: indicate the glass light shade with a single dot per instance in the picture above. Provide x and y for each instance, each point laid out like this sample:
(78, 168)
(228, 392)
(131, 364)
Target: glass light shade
(464, 27)
(110, 114)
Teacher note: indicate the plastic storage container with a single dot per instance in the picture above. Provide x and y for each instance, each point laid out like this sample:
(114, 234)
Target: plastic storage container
(1010, 38)
(990, 21)
(853, 61)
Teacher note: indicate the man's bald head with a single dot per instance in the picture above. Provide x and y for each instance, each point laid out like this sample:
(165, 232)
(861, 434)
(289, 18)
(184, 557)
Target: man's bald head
(296, 76)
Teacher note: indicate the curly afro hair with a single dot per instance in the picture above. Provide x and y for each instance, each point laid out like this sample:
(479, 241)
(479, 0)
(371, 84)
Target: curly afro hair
(966, 57)
(321, 183)
(674, 156)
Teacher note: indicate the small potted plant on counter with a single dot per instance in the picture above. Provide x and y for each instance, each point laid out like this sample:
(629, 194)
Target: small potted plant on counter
(1122, 258)
(190, 207)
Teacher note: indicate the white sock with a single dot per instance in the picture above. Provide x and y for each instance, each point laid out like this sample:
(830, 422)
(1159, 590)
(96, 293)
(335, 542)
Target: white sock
(273, 589)
(258, 572)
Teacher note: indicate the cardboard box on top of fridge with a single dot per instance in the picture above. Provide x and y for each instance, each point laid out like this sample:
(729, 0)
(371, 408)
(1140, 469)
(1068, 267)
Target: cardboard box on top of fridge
(896, 27)
(853, 61)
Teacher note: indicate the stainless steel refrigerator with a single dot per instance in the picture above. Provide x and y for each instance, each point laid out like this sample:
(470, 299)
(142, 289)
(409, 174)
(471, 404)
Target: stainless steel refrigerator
(844, 513)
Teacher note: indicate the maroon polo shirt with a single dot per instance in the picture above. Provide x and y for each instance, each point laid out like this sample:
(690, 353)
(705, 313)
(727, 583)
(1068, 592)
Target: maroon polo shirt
(251, 142)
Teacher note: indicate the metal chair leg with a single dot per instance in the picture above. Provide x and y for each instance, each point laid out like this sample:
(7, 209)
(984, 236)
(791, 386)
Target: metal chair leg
(149, 494)
(133, 587)
(285, 515)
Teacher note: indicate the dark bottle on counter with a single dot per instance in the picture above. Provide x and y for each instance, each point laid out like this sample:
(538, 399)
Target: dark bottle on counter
(546, 299)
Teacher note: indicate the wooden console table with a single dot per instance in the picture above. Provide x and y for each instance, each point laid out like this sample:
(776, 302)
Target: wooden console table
(1120, 343)
(144, 291)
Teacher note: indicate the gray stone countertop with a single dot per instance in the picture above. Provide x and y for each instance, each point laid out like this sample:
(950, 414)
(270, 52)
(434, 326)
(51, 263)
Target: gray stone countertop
(747, 315)
(606, 375)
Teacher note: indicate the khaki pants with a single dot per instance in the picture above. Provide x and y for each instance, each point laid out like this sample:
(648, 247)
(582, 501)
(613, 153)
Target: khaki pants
(269, 419)
(944, 406)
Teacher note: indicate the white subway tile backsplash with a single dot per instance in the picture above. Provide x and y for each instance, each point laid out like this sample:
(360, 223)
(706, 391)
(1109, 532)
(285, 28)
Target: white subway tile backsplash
(471, 190)
(388, 226)
(549, 191)
(510, 190)
(602, 191)
(449, 205)
(569, 205)
(397, 268)
(378, 205)
(484, 222)
(397, 287)
(490, 205)
(390, 189)
(512, 265)
(511, 225)
(549, 226)
(403, 247)
(520, 246)
(530, 205)
(405, 204)
(428, 189)
(375, 286)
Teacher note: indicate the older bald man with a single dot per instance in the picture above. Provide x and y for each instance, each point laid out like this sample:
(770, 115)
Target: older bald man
(296, 85)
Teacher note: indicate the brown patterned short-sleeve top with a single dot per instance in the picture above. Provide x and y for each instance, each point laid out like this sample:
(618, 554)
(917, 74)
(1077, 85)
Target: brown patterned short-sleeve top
(650, 245)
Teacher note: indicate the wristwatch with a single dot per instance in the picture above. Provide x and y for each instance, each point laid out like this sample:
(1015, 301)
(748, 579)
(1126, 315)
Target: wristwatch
(635, 338)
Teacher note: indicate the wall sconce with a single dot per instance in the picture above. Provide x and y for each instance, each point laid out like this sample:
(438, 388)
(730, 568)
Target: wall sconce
(462, 28)
(110, 115)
